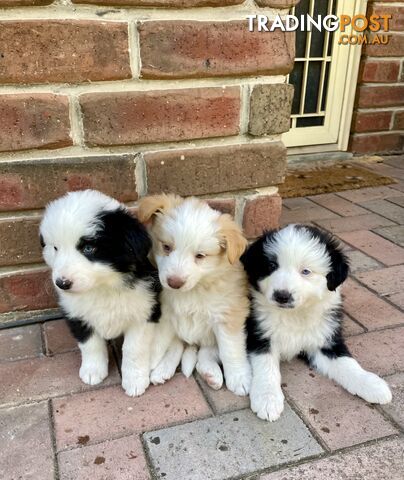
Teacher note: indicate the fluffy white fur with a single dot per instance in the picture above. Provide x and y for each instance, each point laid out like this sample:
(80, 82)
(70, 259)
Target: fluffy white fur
(99, 295)
(198, 248)
(307, 325)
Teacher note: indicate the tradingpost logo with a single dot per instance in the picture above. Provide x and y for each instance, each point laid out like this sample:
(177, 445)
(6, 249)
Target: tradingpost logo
(364, 31)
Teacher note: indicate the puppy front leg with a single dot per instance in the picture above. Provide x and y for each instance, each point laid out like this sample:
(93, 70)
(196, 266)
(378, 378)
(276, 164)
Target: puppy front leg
(266, 396)
(233, 354)
(136, 358)
(349, 374)
(208, 367)
(94, 359)
(168, 364)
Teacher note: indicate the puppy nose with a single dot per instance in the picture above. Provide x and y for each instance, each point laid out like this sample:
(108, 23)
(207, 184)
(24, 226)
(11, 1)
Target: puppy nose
(175, 282)
(282, 296)
(63, 283)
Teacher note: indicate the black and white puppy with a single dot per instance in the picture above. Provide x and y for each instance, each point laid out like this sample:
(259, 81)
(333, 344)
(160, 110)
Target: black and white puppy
(106, 285)
(296, 308)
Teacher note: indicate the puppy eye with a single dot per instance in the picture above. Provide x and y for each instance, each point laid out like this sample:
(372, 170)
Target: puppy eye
(55, 248)
(200, 256)
(88, 249)
(305, 272)
(167, 248)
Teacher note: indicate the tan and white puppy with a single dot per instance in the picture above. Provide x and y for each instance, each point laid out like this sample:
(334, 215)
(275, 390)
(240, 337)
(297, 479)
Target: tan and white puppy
(205, 292)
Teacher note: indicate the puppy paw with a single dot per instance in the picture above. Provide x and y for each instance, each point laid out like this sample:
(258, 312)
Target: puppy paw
(212, 374)
(163, 372)
(188, 361)
(373, 389)
(239, 383)
(267, 406)
(93, 373)
(135, 386)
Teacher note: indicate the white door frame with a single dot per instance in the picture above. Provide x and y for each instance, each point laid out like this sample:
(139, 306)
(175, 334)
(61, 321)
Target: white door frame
(334, 134)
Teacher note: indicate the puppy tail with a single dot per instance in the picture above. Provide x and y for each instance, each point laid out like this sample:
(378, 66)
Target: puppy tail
(189, 359)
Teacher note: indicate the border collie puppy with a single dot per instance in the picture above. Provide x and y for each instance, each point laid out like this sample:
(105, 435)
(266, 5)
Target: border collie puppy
(296, 308)
(205, 289)
(105, 283)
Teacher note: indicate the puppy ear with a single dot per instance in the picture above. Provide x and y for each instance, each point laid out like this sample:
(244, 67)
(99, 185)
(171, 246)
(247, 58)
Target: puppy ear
(232, 238)
(151, 206)
(339, 265)
(255, 261)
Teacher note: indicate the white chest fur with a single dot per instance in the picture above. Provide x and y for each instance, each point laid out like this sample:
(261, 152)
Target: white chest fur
(293, 331)
(194, 315)
(110, 311)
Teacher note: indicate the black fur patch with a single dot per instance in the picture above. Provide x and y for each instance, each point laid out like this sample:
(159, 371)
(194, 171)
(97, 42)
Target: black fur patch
(41, 241)
(79, 329)
(339, 261)
(256, 342)
(121, 241)
(257, 263)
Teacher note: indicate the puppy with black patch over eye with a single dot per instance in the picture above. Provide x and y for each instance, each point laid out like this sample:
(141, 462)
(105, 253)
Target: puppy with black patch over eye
(205, 290)
(295, 274)
(105, 283)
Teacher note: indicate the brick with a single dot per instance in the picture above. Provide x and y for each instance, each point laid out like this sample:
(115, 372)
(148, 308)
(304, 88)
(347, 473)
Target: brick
(380, 352)
(381, 169)
(396, 23)
(394, 160)
(58, 338)
(261, 213)
(160, 116)
(19, 241)
(270, 109)
(386, 209)
(229, 446)
(375, 246)
(46, 377)
(164, 3)
(214, 170)
(297, 203)
(108, 412)
(339, 418)
(223, 400)
(31, 184)
(37, 120)
(376, 143)
(350, 224)
(385, 282)
(397, 299)
(179, 49)
(373, 462)
(398, 120)
(394, 234)
(21, 342)
(365, 194)
(121, 459)
(26, 290)
(26, 445)
(395, 47)
(359, 262)
(308, 215)
(380, 96)
(63, 51)
(350, 327)
(371, 121)
(368, 309)
(379, 71)
(338, 205)
(223, 205)
(395, 408)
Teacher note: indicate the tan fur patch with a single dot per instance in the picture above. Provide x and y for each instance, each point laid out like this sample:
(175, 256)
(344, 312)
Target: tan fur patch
(233, 239)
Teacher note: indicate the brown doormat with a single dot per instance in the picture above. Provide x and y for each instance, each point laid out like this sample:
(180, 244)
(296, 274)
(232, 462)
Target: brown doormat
(335, 178)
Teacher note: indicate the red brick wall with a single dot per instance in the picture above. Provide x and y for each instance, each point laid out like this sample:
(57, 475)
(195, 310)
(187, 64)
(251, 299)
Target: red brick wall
(378, 121)
(160, 95)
